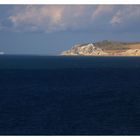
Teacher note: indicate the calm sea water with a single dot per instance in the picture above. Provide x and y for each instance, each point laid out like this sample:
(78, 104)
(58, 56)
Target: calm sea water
(53, 95)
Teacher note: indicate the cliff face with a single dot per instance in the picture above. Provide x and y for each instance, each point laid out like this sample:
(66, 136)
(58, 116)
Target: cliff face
(109, 49)
(132, 52)
(88, 49)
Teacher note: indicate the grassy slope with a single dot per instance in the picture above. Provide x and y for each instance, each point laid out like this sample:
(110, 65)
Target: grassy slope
(118, 46)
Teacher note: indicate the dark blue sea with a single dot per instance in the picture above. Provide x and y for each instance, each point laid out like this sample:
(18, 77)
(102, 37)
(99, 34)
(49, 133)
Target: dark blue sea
(57, 95)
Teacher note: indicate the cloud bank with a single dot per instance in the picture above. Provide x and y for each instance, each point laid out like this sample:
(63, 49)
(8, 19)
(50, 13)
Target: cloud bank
(54, 18)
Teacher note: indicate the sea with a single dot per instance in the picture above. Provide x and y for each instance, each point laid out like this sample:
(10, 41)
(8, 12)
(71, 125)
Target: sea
(69, 95)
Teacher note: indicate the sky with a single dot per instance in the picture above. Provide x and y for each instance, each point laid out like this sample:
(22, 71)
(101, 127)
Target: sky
(51, 29)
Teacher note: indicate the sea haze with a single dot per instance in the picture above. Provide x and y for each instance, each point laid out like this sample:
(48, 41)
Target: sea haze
(58, 95)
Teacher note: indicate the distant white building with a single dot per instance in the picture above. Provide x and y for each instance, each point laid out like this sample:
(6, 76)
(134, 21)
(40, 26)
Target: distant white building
(1, 53)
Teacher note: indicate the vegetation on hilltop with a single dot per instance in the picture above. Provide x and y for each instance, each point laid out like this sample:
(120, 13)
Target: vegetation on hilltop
(111, 45)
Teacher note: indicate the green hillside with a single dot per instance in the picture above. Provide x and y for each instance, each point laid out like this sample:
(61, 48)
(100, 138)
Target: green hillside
(111, 45)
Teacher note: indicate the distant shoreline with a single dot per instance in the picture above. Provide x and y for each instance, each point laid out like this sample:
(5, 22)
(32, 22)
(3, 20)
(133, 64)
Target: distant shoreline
(105, 48)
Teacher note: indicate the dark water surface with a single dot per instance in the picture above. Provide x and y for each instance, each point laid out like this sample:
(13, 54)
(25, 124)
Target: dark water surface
(51, 95)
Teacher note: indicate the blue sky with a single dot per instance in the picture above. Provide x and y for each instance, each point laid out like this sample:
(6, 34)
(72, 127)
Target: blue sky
(50, 29)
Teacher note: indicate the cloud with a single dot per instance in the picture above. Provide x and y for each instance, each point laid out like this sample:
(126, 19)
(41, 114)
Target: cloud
(51, 18)
(116, 19)
(101, 9)
(47, 18)
(54, 18)
(126, 14)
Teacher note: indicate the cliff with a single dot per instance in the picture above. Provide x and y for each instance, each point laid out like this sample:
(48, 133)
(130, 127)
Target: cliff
(105, 48)
(88, 49)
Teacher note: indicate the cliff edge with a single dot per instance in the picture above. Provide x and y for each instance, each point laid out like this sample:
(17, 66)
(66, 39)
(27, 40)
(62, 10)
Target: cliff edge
(105, 48)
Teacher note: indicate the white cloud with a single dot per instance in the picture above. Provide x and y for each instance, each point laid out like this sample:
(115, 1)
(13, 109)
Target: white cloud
(52, 18)
(55, 17)
(126, 14)
(101, 9)
(47, 18)
(116, 19)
